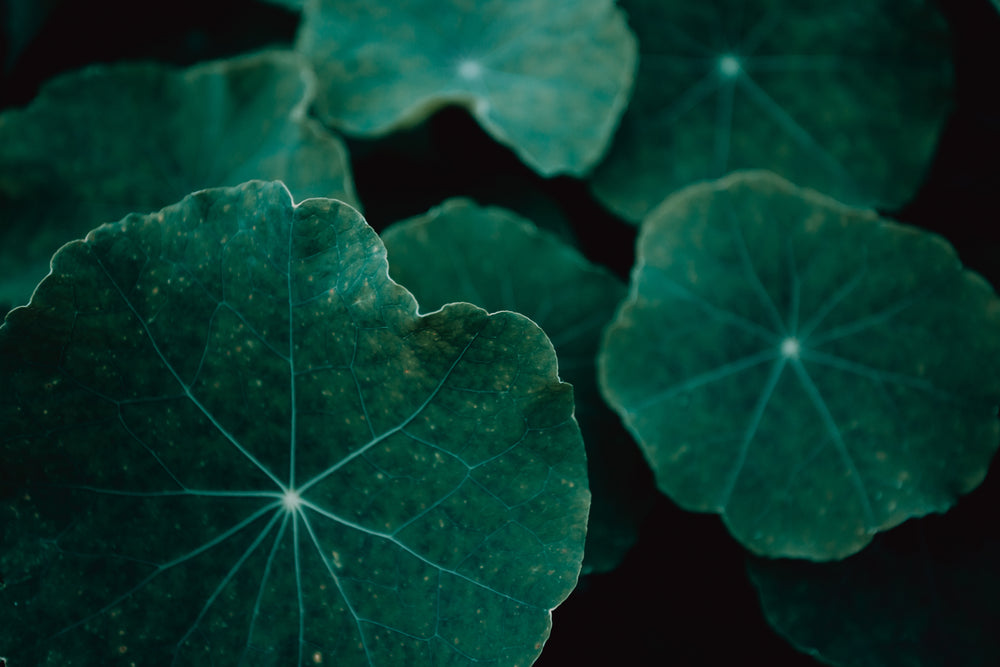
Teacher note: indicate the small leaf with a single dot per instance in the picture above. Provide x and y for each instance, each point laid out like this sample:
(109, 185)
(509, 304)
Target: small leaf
(228, 438)
(809, 371)
(548, 78)
(497, 260)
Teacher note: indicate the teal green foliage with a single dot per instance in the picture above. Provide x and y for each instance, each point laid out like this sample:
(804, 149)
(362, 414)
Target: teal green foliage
(834, 97)
(383, 64)
(326, 474)
(503, 262)
(384, 333)
(179, 130)
(813, 405)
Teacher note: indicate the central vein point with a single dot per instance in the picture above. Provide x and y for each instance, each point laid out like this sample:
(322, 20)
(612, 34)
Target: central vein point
(729, 65)
(470, 69)
(790, 348)
(291, 500)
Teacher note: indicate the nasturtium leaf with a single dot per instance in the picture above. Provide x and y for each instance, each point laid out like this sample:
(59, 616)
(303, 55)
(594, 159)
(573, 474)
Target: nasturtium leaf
(295, 5)
(20, 21)
(229, 438)
(106, 141)
(491, 257)
(548, 78)
(811, 372)
(847, 98)
(888, 608)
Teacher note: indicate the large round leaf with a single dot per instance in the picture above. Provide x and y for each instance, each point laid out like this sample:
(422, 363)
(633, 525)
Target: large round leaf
(847, 98)
(548, 78)
(106, 141)
(809, 371)
(228, 438)
(497, 260)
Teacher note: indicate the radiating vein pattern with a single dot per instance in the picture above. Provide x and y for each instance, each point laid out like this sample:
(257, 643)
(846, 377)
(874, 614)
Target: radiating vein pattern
(822, 95)
(383, 64)
(266, 456)
(780, 360)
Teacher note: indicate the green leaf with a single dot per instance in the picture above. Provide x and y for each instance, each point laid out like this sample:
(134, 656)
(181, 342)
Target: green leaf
(228, 438)
(294, 5)
(887, 607)
(809, 371)
(22, 20)
(548, 78)
(847, 98)
(106, 141)
(497, 260)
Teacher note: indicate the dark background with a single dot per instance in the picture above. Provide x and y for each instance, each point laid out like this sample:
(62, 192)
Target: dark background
(681, 597)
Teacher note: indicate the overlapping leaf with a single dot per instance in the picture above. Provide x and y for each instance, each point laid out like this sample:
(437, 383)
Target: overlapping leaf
(295, 5)
(497, 260)
(889, 607)
(106, 141)
(21, 21)
(809, 371)
(847, 98)
(228, 438)
(548, 78)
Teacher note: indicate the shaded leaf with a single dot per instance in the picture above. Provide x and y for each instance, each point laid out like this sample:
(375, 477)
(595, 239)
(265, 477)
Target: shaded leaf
(548, 78)
(497, 260)
(846, 98)
(888, 608)
(106, 141)
(295, 5)
(22, 20)
(811, 372)
(228, 438)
